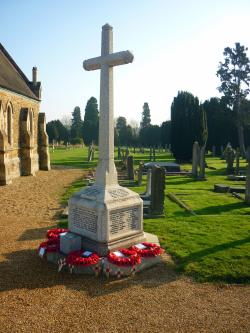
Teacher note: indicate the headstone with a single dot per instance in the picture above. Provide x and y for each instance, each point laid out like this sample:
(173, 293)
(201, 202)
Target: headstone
(202, 163)
(130, 167)
(195, 159)
(140, 173)
(157, 190)
(229, 154)
(106, 215)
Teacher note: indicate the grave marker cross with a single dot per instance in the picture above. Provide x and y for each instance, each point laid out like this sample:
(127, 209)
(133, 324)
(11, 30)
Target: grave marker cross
(106, 173)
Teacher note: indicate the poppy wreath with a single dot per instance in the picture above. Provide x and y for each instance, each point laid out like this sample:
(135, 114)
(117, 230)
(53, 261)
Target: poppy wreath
(151, 250)
(51, 245)
(75, 258)
(55, 233)
(131, 258)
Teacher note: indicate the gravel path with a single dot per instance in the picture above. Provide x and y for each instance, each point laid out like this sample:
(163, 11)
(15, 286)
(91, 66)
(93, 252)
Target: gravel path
(35, 298)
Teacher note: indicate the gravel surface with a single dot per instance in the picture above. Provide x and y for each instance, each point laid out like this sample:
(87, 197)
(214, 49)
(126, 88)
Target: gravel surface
(35, 298)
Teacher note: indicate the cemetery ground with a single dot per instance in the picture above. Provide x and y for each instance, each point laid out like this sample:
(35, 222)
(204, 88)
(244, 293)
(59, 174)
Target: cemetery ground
(201, 288)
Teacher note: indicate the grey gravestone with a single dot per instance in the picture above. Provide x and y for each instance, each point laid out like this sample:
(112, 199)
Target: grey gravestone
(157, 190)
(229, 156)
(140, 173)
(202, 163)
(130, 167)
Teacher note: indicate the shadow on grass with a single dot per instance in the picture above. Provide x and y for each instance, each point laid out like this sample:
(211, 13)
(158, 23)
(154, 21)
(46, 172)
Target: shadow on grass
(188, 180)
(199, 255)
(25, 269)
(220, 209)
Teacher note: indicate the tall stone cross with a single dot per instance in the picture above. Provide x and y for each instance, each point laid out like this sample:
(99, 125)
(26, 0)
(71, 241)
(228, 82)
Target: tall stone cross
(106, 173)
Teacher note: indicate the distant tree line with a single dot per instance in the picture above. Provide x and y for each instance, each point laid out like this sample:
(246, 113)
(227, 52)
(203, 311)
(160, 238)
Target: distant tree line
(76, 131)
(215, 122)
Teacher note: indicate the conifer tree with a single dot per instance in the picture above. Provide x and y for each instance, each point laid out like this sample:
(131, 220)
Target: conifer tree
(91, 122)
(76, 127)
(146, 118)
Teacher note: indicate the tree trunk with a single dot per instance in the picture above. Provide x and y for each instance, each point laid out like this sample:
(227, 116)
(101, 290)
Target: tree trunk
(240, 130)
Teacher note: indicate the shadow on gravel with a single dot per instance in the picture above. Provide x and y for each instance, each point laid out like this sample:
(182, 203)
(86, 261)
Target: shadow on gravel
(33, 234)
(24, 269)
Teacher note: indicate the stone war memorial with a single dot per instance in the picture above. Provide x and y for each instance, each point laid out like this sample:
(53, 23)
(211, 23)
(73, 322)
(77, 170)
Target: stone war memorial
(105, 220)
(106, 215)
(23, 137)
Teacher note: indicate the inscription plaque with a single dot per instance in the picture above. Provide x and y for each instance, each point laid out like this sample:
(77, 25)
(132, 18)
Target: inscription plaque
(125, 219)
(84, 219)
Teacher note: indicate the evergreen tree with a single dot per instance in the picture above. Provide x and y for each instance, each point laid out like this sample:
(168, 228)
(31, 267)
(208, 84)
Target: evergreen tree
(220, 123)
(150, 136)
(188, 124)
(146, 119)
(234, 75)
(165, 132)
(56, 131)
(91, 122)
(121, 128)
(76, 127)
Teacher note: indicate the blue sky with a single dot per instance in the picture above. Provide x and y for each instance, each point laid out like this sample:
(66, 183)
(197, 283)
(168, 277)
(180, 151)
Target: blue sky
(177, 45)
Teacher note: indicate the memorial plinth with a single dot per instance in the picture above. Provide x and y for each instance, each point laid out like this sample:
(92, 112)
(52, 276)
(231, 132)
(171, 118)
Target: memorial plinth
(107, 217)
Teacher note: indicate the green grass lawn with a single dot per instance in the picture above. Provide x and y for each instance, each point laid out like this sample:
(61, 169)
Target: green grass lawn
(213, 245)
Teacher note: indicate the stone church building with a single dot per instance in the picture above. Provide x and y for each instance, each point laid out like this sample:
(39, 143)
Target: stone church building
(23, 138)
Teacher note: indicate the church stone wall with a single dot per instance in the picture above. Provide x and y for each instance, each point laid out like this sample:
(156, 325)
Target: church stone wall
(19, 136)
